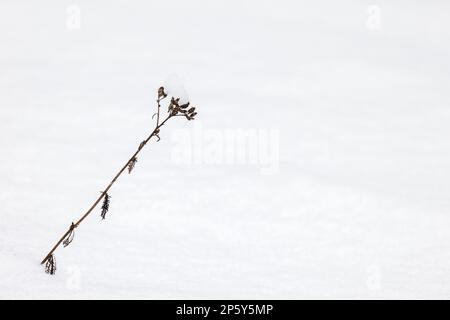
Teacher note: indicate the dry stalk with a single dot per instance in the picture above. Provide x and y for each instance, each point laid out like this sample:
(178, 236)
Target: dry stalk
(174, 110)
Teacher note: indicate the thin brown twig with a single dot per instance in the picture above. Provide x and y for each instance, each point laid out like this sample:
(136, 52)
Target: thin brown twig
(141, 146)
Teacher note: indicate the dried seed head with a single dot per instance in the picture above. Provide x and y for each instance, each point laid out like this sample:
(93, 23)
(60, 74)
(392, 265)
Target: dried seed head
(131, 164)
(191, 110)
(70, 236)
(50, 265)
(184, 106)
(161, 93)
(173, 104)
(105, 206)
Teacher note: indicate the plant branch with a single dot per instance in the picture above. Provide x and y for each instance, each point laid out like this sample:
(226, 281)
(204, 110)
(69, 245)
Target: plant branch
(141, 146)
(174, 110)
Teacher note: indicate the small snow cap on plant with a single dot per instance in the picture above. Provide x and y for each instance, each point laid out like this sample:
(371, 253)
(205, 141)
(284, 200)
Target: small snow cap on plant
(179, 103)
(174, 86)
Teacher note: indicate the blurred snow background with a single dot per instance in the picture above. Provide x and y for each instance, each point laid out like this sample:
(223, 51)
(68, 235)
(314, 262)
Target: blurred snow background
(357, 92)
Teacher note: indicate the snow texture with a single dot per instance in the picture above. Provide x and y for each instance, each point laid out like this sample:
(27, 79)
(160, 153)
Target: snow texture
(350, 99)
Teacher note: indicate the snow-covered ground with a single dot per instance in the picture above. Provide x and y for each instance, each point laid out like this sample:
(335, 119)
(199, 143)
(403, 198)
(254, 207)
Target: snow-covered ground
(348, 193)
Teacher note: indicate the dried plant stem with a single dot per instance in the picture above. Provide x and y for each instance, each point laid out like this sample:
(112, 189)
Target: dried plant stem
(75, 225)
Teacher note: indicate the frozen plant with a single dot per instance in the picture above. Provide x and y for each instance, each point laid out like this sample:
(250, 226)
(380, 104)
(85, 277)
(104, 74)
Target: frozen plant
(175, 109)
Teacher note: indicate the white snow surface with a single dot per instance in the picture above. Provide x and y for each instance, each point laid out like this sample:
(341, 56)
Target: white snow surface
(359, 205)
